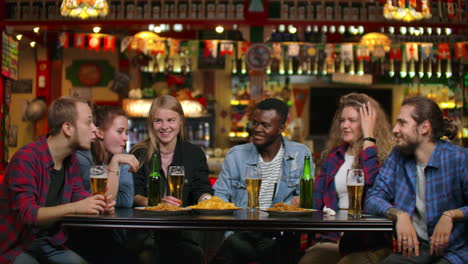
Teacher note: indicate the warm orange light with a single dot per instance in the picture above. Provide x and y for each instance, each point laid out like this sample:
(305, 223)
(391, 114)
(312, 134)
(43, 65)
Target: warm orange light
(84, 8)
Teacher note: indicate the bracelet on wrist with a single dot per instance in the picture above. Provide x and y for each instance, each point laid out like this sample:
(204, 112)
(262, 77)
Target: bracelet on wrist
(371, 139)
(448, 214)
(117, 172)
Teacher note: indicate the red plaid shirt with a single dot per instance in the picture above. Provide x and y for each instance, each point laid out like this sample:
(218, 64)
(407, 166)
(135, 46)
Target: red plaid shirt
(24, 190)
(325, 190)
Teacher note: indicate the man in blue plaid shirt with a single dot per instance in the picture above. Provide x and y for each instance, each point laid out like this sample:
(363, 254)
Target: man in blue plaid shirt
(423, 187)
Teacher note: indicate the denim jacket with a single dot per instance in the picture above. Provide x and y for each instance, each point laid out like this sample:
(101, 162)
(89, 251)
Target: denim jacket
(231, 187)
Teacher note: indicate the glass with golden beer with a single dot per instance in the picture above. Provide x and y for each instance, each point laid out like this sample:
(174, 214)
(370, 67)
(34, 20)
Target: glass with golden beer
(98, 176)
(355, 185)
(176, 175)
(253, 179)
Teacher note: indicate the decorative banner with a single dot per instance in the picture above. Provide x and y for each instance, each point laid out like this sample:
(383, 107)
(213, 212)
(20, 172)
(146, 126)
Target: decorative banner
(211, 48)
(362, 53)
(193, 47)
(226, 48)
(395, 52)
(277, 50)
(109, 43)
(426, 51)
(64, 39)
(330, 51)
(293, 50)
(460, 50)
(94, 42)
(79, 41)
(450, 9)
(378, 52)
(347, 53)
(300, 98)
(159, 47)
(444, 51)
(411, 51)
(174, 47)
(242, 47)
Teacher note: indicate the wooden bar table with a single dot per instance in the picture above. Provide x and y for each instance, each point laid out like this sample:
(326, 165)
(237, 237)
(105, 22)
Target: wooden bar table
(239, 220)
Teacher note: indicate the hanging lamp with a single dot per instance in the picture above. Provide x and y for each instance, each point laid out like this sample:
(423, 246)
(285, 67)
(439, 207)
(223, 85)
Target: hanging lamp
(406, 11)
(84, 8)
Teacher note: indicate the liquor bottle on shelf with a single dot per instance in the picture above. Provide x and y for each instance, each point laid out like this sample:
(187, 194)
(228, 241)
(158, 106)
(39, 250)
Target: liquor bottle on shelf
(207, 135)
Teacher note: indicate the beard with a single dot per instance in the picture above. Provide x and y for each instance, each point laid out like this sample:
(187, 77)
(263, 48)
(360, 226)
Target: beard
(408, 149)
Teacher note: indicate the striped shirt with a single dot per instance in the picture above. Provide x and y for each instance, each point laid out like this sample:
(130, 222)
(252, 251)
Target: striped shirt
(270, 174)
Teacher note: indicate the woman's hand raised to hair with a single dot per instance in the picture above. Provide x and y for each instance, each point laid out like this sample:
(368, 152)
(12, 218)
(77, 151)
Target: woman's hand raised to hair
(368, 120)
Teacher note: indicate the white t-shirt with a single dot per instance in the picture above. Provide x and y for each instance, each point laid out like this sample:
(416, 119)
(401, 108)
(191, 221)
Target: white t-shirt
(270, 174)
(340, 182)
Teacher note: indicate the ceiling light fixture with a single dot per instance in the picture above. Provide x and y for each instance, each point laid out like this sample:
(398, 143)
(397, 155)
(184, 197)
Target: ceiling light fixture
(84, 8)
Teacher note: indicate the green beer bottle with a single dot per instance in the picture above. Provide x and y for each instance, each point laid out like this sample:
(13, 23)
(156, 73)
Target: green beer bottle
(307, 185)
(154, 182)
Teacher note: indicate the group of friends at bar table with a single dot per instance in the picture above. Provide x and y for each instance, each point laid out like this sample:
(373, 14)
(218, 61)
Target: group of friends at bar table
(414, 178)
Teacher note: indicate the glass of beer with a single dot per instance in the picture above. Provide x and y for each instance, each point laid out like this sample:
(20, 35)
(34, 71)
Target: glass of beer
(176, 175)
(98, 176)
(253, 179)
(355, 185)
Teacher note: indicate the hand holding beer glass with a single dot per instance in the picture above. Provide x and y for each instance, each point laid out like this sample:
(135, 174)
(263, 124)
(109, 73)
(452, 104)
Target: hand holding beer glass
(355, 185)
(176, 175)
(253, 178)
(98, 176)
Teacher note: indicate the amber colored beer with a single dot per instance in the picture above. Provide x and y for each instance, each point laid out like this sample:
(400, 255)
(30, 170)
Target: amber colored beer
(176, 185)
(253, 191)
(355, 200)
(98, 184)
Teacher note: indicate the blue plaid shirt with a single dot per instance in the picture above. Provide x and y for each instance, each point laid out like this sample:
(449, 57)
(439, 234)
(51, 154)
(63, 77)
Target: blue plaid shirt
(446, 189)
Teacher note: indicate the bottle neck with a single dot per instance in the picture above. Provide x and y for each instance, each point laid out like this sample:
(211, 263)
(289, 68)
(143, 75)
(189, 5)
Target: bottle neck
(306, 174)
(155, 166)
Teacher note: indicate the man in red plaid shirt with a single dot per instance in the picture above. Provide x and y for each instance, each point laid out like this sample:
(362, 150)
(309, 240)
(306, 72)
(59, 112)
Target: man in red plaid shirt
(43, 183)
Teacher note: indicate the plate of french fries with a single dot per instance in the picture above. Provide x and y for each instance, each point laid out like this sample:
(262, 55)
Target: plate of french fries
(283, 210)
(163, 209)
(214, 206)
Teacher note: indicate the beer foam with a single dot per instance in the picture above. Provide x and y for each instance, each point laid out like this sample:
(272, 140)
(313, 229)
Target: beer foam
(104, 176)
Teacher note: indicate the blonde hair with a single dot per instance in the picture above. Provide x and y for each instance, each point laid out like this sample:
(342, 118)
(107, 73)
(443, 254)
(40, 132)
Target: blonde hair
(151, 143)
(383, 132)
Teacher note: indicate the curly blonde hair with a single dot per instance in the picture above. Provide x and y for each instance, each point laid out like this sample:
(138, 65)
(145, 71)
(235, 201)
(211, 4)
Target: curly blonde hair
(383, 131)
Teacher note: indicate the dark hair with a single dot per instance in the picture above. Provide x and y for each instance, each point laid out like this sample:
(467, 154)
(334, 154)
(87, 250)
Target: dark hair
(63, 110)
(103, 115)
(426, 109)
(275, 104)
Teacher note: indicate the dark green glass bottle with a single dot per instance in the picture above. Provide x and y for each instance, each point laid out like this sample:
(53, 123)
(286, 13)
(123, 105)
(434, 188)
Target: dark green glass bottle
(307, 185)
(154, 182)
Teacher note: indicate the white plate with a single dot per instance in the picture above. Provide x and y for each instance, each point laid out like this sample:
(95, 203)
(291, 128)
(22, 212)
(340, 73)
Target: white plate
(308, 212)
(163, 212)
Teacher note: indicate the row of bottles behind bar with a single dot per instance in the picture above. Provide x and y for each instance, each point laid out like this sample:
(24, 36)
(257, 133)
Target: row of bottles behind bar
(234, 10)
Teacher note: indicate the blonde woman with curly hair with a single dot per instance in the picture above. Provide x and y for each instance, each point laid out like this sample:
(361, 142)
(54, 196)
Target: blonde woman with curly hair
(360, 137)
